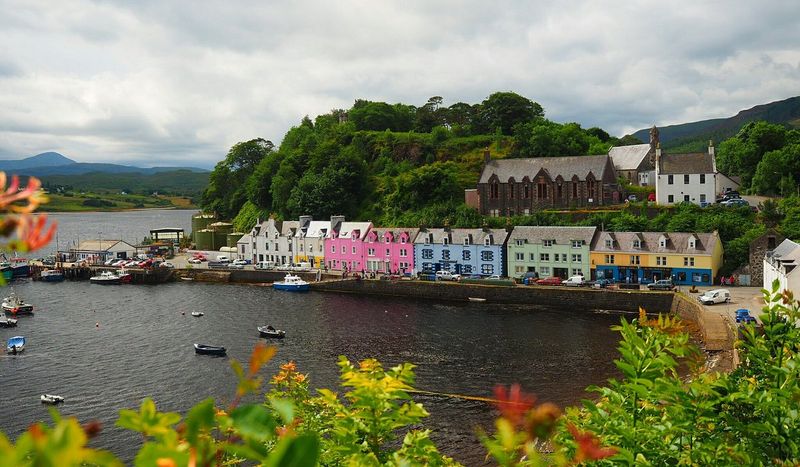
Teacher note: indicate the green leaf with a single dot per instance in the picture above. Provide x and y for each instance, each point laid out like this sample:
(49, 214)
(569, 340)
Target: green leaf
(199, 418)
(302, 451)
(254, 421)
(284, 408)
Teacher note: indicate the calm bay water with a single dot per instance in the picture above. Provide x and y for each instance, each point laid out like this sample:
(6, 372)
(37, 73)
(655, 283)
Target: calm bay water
(143, 347)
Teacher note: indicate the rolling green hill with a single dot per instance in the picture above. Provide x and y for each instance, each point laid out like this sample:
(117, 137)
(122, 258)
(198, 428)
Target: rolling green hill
(688, 137)
(179, 182)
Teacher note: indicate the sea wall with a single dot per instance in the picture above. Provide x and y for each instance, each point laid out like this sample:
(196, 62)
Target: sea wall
(564, 297)
(717, 331)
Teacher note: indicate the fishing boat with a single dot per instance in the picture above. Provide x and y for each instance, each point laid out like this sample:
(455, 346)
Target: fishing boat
(51, 399)
(16, 306)
(6, 271)
(52, 275)
(269, 331)
(6, 322)
(209, 349)
(20, 267)
(291, 283)
(15, 344)
(105, 278)
(197, 314)
(124, 276)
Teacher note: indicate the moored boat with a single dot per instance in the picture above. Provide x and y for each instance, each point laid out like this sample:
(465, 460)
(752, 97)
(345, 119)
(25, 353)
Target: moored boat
(291, 283)
(16, 306)
(205, 349)
(52, 275)
(20, 267)
(269, 331)
(105, 278)
(197, 314)
(6, 271)
(6, 322)
(51, 399)
(15, 344)
(124, 276)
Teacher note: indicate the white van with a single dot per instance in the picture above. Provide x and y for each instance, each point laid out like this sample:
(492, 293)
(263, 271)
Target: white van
(715, 296)
(302, 267)
(574, 281)
(223, 259)
(265, 265)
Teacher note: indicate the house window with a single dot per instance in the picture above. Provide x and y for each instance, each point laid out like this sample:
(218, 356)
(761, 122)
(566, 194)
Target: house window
(403, 240)
(559, 191)
(465, 255)
(590, 188)
(354, 250)
(686, 179)
(494, 191)
(577, 258)
(532, 256)
(403, 253)
(669, 180)
(702, 178)
(487, 241)
(466, 240)
(446, 255)
(487, 269)
(688, 261)
(541, 190)
(427, 254)
(662, 243)
(487, 256)
(671, 198)
(467, 269)
(686, 198)
(637, 243)
(519, 256)
(609, 243)
(574, 190)
(526, 211)
(388, 252)
(635, 259)
(370, 251)
(544, 257)
(445, 241)
(661, 260)
(526, 191)
(311, 248)
(577, 243)
(547, 242)
(301, 247)
(333, 248)
(703, 198)
(691, 243)
(519, 242)
(544, 270)
(577, 272)
(344, 250)
(609, 259)
(511, 190)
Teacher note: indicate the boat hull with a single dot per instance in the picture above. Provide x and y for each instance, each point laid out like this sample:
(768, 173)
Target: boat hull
(22, 270)
(291, 287)
(18, 310)
(203, 349)
(52, 276)
(271, 333)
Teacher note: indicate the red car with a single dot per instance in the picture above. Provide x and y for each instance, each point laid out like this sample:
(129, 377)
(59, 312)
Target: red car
(549, 281)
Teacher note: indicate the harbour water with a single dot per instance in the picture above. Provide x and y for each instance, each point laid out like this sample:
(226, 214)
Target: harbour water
(143, 347)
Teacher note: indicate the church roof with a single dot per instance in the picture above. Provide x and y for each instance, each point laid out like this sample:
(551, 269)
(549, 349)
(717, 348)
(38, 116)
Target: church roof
(566, 166)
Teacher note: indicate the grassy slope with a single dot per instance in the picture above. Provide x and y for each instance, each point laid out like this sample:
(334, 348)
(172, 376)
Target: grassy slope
(62, 203)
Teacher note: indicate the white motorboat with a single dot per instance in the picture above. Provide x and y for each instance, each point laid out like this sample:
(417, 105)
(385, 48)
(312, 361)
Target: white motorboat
(6, 322)
(51, 399)
(197, 314)
(105, 278)
(292, 283)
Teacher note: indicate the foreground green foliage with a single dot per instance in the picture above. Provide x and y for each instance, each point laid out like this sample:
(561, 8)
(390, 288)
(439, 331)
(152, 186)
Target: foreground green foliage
(664, 410)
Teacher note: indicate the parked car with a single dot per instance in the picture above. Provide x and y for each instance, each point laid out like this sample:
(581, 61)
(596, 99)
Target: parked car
(715, 296)
(529, 277)
(447, 276)
(195, 260)
(662, 284)
(574, 281)
(602, 283)
(735, 203)
(302, 267)
(554, 280)
(240, 261)
(223, 259)
(494, 277)
(265, 265)
(166, 264)
(234, 265)
(633, 198)
(743, 316)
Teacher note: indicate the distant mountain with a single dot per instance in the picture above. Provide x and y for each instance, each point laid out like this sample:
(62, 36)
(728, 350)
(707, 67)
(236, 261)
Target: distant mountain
(53, 163)
(695, 135)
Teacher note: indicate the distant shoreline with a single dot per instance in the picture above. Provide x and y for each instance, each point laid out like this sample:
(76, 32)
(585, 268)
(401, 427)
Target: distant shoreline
(43, 209)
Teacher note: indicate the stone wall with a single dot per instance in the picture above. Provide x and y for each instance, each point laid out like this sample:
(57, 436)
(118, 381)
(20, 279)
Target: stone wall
(717, 332)
(564, 297)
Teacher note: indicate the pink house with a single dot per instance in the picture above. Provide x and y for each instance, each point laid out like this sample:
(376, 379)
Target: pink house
(344, 246)
(390, 250)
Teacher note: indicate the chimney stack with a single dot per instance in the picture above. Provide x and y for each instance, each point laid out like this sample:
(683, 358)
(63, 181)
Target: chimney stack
(486, 156)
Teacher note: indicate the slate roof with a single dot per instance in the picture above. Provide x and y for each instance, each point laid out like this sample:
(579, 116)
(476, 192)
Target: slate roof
(346, 229)
(476, 236)
(396, 231)
(247, 238)
(316, 229)
(677, 242)
(693, 163)
(562, 235)
(565, 166)
(288, 228)
(628, 157)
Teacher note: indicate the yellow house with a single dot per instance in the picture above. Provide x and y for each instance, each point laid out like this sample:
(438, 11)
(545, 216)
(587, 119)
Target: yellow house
(685, 257)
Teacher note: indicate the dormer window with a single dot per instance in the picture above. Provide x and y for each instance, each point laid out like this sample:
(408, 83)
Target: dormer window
(520, 241)
(637, 243)
(577, 243)
(403, 240)
(609, 243)
(466, 240)
(488, 240)
(548, 242)
(692, 243)
(662, 242)
(445, 241)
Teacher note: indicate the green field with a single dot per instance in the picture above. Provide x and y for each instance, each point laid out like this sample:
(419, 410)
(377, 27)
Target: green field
(69, 202)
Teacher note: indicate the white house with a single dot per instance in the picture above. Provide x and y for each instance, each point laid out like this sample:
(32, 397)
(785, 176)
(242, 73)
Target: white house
(310, 239)
(782, 264)
(98, 251)
(689, 178)
(245, 247)
(274, 241)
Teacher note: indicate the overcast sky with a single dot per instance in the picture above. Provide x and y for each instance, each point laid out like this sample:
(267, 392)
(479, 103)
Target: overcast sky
(156, 83)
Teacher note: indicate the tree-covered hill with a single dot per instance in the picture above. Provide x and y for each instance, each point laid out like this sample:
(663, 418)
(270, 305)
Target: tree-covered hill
(387, 162)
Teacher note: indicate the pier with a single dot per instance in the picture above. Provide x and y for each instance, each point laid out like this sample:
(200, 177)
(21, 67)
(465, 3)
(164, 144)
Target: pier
(77, 272)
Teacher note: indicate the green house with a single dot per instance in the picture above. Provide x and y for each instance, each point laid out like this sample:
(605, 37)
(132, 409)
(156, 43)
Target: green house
(550, 251)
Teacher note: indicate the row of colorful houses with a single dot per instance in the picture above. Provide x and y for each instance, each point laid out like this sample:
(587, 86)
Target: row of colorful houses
(687, 258)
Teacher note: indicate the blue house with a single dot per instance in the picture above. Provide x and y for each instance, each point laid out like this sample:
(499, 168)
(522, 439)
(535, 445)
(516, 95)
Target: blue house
(461, 251)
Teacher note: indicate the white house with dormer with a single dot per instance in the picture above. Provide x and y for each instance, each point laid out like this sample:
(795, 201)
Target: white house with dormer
(691, 178)
(782, 264)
